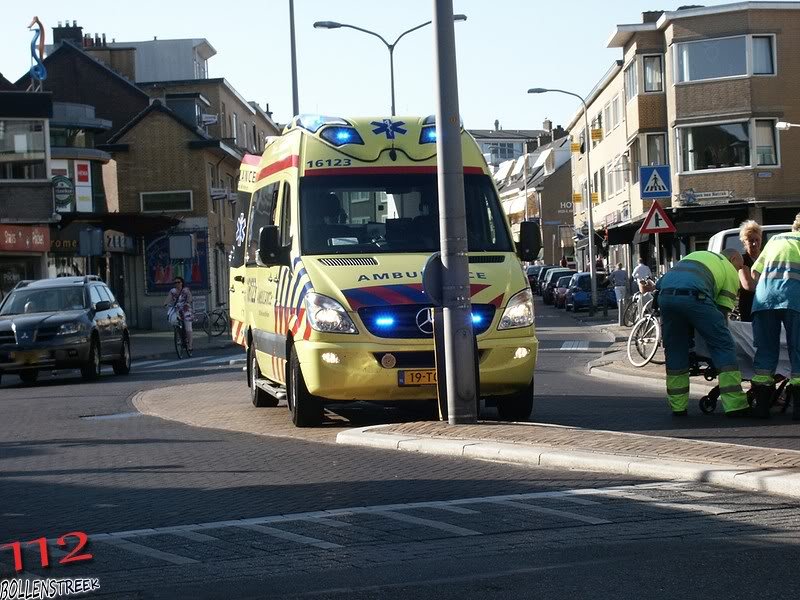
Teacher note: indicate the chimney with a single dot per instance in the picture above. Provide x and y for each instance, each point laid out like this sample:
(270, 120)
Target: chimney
(651, 16)
(72, 33)
(497, 125)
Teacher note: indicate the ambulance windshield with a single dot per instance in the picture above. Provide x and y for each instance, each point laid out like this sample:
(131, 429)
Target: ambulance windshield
(370, 214)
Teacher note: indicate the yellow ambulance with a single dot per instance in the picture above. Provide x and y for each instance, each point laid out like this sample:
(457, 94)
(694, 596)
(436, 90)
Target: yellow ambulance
(335, 223)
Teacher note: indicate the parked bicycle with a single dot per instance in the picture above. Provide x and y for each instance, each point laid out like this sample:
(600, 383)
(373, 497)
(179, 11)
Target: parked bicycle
(215, 322)
(645, 337)
(636, 306)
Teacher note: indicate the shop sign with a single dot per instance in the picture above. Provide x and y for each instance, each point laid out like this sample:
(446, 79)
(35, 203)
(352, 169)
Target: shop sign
(64, 246)
(116, 241)
(689, 196)
(24, 238)
(63, 191)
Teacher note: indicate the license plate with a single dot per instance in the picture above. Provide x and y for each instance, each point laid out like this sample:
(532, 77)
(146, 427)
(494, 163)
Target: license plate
(417, 377)
(26, 358)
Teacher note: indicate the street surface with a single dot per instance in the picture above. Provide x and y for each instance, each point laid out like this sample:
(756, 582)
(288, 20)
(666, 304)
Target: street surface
(174, 511)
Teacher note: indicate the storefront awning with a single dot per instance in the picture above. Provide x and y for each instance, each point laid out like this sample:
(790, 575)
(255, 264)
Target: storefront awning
(129, 223)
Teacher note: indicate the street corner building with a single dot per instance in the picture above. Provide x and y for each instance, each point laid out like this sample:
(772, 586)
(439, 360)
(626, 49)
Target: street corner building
(712, 121)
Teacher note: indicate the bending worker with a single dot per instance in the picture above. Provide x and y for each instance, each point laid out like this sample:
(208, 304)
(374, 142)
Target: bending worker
(776, 274)
(696, 295)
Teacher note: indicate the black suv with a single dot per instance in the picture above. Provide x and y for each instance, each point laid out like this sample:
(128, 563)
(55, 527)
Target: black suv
(63, 323)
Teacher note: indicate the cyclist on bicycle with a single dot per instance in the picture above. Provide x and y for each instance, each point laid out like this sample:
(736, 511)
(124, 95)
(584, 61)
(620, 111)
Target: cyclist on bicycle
(179, 301)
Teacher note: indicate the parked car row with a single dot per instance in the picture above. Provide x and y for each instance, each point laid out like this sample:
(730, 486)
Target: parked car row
(569, 289)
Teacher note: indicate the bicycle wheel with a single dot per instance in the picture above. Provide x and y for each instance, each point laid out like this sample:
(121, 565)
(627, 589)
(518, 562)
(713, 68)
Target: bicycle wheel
(218, 323)
(644, 341)
(629, 318)
(179, 344)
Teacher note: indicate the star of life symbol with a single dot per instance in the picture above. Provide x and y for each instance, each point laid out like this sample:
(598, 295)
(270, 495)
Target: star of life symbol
(240, 226)
(389, 127)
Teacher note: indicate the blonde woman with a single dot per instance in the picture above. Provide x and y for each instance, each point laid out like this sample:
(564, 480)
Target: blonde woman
(751, 236)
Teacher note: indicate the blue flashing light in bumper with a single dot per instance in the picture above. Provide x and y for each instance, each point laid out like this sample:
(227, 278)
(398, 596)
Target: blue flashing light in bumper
(384, 321)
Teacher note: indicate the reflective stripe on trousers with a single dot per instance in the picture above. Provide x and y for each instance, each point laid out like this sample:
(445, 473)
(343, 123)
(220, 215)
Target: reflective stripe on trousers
(678, 389)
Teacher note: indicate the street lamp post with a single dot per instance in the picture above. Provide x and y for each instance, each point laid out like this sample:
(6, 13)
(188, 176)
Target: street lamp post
(295, 99)
(390, 47)
(590, 217)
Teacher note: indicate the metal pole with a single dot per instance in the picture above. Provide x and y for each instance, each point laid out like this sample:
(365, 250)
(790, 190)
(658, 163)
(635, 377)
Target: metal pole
(525, 178)
(658, 256)
(590, 216)
(391, 74)
(295, 99)
(457, 314)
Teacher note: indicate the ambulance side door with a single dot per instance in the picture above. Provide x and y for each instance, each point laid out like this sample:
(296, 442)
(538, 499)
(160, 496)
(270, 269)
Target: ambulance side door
(238, 287)
(260, 281)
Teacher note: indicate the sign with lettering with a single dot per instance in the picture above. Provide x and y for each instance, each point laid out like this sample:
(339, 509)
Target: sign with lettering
(116, 241)
(24, 238)
(63, 192)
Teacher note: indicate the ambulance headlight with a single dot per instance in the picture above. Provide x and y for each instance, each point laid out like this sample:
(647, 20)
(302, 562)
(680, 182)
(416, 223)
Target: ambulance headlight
(327, 315)
(518, 312)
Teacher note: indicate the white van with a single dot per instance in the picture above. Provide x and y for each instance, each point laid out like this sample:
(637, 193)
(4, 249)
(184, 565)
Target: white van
(729, 238)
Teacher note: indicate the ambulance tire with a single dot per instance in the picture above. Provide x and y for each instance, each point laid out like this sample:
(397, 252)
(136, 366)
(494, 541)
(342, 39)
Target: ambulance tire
(307, 410)
(517, 407)
(259, 397)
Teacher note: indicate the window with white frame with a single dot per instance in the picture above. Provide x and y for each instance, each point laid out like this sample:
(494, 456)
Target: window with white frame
(656, 149)
(631, 81)
(615, 112)
(728, 145)
(619, 175)
(166, 201)
(736, 56)
(766, 146)
(603, 190)
(610, 181)
(607, 117)
(653, 73)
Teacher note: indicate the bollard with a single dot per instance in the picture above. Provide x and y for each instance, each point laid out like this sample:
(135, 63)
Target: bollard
(622, 306)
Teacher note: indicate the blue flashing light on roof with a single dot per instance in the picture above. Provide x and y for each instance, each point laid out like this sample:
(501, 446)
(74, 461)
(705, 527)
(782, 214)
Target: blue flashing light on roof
(339, 136)
(428, 135)
(385, 321)
(313, 123)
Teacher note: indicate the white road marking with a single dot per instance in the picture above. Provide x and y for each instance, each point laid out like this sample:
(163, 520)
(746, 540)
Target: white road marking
(704, 508)
(397, 516)
(327, 522)
(292, 537)
(223, 359)
(553, 512)
(130, 546)
(147, 363)
(194, 536)
(458, 510)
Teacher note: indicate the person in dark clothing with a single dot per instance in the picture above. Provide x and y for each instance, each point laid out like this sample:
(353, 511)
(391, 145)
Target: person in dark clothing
(751, 236)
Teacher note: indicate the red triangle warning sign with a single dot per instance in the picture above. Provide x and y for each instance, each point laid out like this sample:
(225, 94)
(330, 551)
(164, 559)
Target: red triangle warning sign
(657, 221)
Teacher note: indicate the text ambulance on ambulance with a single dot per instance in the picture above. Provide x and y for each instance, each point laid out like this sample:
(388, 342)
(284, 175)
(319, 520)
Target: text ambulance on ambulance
(335, 223)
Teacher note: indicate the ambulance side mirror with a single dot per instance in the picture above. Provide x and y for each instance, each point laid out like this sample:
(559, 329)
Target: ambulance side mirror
(530, 241)
(269, 248)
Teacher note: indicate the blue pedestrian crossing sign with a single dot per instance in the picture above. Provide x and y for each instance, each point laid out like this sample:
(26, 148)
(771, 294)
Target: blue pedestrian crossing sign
(655, 182)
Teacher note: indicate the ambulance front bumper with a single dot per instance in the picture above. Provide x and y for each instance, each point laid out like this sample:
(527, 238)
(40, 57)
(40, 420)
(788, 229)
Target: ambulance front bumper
(354, 371)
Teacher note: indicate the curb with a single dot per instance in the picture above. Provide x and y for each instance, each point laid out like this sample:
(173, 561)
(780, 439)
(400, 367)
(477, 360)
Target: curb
(783, 482)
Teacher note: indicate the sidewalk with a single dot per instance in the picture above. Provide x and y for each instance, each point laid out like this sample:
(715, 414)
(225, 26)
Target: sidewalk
(156, 344)
(548, 446)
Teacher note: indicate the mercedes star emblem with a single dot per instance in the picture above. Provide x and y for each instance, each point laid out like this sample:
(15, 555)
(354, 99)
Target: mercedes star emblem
(425, 320)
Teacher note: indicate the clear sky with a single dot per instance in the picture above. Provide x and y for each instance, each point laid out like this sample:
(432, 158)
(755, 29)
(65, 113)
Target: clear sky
(504, 48)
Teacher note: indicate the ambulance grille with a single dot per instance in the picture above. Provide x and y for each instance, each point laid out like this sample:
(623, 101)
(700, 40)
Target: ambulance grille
(484, 259)
(348, 262)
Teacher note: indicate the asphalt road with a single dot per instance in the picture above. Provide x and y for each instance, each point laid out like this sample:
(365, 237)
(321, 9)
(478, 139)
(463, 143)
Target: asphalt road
(173, 511)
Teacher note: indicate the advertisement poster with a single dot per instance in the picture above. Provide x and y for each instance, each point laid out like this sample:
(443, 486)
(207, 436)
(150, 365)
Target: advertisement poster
(161, 270)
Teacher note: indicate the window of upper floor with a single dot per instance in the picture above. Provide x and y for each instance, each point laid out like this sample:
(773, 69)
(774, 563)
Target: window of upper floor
(23, 150)
(653, 69)
(721, 58)
(631, 81)
(173, 201)
(616, 113)
(656, 149)
(728, 145)
(69, 137)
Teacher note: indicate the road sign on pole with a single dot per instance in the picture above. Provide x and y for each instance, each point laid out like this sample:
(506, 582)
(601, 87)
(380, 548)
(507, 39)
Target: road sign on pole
(657, 221)
(655, 181)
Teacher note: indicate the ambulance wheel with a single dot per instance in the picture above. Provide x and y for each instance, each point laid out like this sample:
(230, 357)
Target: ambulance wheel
(306, 409)
(517, 407)
(259, 397)
(708, 405)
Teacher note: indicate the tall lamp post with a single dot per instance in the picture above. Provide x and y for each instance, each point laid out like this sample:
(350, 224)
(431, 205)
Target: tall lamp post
(390, 47)
(295, 99)
(590, 217)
